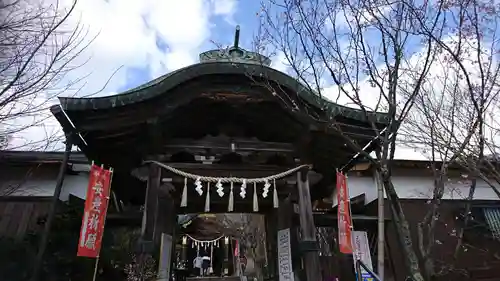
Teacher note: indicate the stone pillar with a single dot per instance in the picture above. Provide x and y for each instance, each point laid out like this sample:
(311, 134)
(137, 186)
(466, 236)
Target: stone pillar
(165, 261)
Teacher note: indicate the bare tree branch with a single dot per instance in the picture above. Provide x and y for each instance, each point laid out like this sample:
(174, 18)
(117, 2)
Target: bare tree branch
(38, 48)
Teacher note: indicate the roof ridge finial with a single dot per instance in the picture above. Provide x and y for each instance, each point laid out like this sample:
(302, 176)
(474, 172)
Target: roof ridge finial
(236, 37)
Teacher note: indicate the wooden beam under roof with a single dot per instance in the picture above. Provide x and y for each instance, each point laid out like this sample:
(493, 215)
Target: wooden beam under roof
(222, 170)
(227, 144)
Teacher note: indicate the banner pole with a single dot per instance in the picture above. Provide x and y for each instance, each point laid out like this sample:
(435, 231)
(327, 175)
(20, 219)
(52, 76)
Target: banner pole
(359, 277)
(355, 253)
(381, 226)
(95, 268)
(104, 223)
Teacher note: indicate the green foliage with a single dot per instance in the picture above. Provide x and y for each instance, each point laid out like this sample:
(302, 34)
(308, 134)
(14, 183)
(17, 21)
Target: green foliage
(61, 262)
(141, 268)
(15, 259)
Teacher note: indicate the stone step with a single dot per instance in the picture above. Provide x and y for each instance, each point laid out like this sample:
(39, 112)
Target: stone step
(214, 278)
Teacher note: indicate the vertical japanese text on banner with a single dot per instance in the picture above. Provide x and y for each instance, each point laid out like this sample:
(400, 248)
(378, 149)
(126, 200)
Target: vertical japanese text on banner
(95, 210)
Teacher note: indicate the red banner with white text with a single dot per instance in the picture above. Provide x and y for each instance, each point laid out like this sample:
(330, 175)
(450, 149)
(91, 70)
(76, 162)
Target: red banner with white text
(344, 215)
(94, 215)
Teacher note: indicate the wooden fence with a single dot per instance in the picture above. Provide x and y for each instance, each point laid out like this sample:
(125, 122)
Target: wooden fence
(19, 215)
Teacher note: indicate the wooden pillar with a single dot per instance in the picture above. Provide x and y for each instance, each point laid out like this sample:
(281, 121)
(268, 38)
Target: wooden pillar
(309, 247)
(150, 240)
(271, 244)
(150, 205)
(165, 231)
(44, 241)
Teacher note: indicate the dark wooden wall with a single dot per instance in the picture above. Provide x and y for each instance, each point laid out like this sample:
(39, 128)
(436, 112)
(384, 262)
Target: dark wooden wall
(479, 259)
(19, 215)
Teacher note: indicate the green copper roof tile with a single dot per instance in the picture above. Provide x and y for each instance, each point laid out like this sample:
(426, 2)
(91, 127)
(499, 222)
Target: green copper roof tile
(163, 84)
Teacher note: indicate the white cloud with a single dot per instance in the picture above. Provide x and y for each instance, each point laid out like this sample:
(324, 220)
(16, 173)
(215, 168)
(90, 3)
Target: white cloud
(346, 16)
(443, 72)
(126, 34)
(369, 96)
(280, 63)
(444, 87)
(225, 8)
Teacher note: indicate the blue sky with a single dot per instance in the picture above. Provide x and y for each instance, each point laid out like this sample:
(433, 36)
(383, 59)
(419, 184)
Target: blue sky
(136, 41)
(132, 42)
(222, 32)
(223, 16)
(129, 42)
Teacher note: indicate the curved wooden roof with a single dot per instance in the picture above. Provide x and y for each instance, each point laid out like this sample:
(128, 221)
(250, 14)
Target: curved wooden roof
(271, 105)
(163, 84)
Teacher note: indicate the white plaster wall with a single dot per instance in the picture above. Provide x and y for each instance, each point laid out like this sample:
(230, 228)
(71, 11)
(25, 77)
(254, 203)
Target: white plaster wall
(358, 186)
(409, 187)
(73, 184)
(455, 189)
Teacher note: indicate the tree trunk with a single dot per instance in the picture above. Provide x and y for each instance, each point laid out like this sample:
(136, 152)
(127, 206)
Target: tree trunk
(403, 228)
